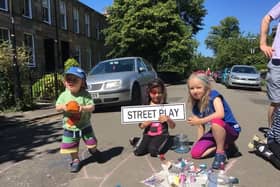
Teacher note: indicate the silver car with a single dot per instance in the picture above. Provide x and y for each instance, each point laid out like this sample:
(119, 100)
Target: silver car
(244, 76)
(120, 81)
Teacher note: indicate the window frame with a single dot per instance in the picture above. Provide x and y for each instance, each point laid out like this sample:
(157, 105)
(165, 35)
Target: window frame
(6, 8)
(97, 29)
(48, 11)
(89, 58)
(63, 12)
(29, 8)
(76, 22)
(8, 34)
(78, 57)
(87, 25)
(32, 48)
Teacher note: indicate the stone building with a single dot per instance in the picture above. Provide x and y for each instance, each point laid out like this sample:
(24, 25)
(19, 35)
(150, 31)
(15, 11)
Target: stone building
(54, 30)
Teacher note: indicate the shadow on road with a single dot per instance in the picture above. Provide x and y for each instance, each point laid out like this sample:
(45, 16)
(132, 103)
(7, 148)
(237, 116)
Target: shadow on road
(104, 156)
(20, 139)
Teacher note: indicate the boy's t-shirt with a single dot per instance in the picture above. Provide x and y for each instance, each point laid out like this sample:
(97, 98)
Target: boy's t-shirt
(83, 98)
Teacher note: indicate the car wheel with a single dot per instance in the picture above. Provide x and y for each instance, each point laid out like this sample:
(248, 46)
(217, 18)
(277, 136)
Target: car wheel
(136, 95)
(227, 84)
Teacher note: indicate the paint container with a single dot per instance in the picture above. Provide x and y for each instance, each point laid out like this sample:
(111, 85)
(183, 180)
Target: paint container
(218, 180)
(182, 143)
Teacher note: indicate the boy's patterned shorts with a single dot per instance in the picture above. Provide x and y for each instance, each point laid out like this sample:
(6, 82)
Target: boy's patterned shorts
(71, 140)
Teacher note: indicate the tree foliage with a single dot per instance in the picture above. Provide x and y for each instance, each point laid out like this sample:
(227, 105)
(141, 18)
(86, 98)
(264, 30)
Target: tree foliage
(231, 47)
(151, 29)
(7, 73)
(228, 28)
(192, 12)
(6, 57)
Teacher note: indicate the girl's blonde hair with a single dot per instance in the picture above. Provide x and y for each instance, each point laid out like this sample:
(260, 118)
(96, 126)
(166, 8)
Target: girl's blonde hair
(203, 103)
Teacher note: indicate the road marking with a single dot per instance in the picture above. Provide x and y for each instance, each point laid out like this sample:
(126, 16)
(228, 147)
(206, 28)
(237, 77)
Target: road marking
(114, 169)
(150, 164)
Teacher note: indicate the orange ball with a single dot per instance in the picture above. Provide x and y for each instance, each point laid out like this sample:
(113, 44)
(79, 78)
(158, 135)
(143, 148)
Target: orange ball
(73, 107)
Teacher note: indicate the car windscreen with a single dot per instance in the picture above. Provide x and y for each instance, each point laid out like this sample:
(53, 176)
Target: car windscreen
(113, 66)
(249, 70)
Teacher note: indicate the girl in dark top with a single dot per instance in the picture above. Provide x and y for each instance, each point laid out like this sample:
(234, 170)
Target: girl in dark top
(155, 134)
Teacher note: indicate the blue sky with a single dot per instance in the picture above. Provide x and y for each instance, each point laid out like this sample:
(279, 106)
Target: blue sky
(248, 12)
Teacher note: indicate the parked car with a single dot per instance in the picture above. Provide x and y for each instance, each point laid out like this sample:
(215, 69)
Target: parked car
(225, 73)
(217, 76)
(244, 76)
(120, 81)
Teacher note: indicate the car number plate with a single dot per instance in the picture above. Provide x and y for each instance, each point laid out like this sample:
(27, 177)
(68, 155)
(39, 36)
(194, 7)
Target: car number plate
(95, 95)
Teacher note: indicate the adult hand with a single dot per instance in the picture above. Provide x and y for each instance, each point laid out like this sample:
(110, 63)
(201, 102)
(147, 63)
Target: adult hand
(267, 50)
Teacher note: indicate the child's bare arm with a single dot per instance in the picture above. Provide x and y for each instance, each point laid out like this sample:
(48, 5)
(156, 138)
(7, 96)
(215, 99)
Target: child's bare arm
(168, 120)
(144, 124)
(200, 131)
(87, 108)
(60, 107)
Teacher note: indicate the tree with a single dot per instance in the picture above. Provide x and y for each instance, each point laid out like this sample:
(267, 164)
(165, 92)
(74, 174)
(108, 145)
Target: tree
(151, 29)
(7, 73)
(192, 12)
(228, 28)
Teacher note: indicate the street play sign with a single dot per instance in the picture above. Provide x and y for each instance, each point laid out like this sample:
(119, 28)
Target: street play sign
(138, 114)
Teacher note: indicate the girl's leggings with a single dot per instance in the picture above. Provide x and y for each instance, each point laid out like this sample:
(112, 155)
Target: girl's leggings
(151, 144)
(207, 140)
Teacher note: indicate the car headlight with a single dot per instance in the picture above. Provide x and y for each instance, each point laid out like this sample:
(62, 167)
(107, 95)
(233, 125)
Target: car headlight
(234, 77)
(112, 84)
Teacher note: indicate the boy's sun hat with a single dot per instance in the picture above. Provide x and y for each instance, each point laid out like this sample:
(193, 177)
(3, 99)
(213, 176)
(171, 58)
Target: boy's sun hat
(77, 72)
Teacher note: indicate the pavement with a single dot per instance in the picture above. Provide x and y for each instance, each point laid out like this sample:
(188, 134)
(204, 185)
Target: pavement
(10, 118)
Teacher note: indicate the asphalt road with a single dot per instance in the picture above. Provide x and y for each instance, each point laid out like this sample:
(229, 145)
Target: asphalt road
(30, 152)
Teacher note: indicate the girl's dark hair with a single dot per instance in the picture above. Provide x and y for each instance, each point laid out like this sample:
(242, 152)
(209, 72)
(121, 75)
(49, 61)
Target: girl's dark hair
(156, 83)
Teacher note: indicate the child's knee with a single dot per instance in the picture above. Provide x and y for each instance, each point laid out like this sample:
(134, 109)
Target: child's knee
(153, 151)
(195, 154)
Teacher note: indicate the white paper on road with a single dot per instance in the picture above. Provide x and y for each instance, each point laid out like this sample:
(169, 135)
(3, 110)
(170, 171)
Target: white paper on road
(138, 114)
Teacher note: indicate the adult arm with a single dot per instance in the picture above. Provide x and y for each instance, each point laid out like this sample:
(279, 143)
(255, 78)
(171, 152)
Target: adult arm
(267, 50)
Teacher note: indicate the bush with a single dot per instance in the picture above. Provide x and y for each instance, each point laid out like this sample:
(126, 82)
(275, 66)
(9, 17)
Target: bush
(261, 67)
(70, 62)
(6, 93)
(171, 77)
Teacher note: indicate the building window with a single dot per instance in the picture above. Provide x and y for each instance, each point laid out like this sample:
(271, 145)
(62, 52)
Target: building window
(89, 59)
(63, 19)
(78, 54)
(87, 25)
(76, 20)
(46, 11)
(97, 30)
(29, 44)
(4, 35)
(4, 5)
(27, 10)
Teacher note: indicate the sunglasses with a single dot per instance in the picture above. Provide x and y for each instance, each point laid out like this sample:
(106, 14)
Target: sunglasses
(72, 79)
(155, 92)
